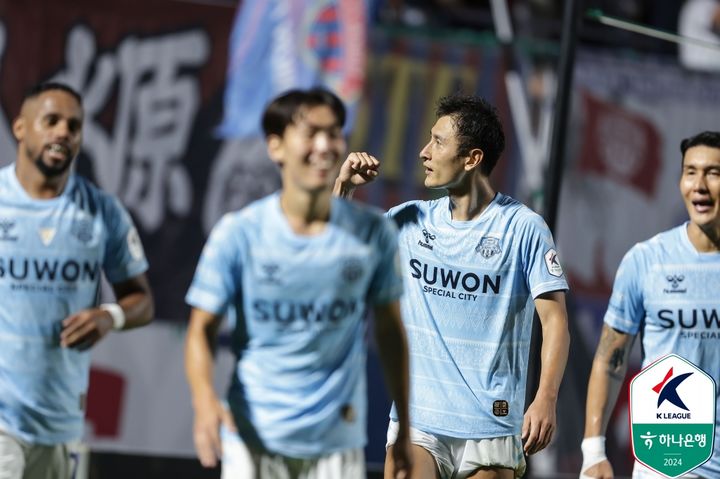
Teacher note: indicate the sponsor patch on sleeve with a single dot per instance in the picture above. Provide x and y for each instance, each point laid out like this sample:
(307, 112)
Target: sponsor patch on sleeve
(134, 245)
(553, 263)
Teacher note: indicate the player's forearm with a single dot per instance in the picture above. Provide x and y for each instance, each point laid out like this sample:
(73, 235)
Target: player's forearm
(139, 309)
(393, 350)
(343, 190)
(134, 297)
(199, 362)
(554, 355)
(606, 379)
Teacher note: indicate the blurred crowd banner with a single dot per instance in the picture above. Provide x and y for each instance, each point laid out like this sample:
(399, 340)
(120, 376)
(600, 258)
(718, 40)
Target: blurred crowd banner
(153, 74)
(296, 44)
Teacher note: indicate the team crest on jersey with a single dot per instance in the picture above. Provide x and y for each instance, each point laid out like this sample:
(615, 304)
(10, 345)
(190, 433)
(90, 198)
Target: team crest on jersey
(488, 247)
(352, 270)
(82, 229)
(6, 227)
(552, 263)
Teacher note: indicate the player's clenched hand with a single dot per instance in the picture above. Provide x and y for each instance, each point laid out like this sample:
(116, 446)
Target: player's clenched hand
(538, 425)
(358, 169)
(601, 470)
(209, 416)
(85, 328)
(402, 458)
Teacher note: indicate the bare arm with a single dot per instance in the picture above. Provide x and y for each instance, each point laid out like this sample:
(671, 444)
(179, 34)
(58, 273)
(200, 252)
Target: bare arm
(540, 419)
(199, 364)
(606, 379)
(83, 329)
(392, 346)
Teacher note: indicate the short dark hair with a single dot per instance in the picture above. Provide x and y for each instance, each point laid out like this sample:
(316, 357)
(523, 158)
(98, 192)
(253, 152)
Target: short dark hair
(706, 138)
(283, 110)
(40, 88)
(477, 125)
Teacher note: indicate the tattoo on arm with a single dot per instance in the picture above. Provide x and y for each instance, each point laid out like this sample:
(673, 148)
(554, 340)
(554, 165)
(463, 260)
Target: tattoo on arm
(615, 364)
(607, 338)
(614, 354)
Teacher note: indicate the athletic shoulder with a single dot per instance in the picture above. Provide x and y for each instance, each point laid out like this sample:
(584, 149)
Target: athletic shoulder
(518, 213)
(363, 220)
(668, 243)
(415, 210)
(250, 217)
(357, 209)
(90, 198)
(6, 186)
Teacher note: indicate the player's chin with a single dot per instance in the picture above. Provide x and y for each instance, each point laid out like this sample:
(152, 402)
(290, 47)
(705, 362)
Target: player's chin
(430, 182)
(53, 167)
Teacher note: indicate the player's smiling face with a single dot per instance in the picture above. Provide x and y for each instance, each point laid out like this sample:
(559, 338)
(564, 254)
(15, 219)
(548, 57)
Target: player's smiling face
(700, 185)
(310, 149)
(444, 166)
(49, 131)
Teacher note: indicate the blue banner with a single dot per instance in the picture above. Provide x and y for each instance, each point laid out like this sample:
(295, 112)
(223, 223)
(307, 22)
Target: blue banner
(277, 45)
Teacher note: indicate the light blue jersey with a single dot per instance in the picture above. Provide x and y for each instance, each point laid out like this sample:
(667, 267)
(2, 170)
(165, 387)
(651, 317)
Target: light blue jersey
(670, 293)
(52, 253)
(299, 386)
(468, 310)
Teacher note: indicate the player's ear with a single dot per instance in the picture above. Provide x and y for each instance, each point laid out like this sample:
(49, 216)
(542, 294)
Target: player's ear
(275, 148)
(474, 158)
(18, 128)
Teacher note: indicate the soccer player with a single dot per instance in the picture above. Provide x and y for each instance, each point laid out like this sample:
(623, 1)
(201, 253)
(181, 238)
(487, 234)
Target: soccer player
(667, 290)
(297, 270)
(58, 233)
(477, 264)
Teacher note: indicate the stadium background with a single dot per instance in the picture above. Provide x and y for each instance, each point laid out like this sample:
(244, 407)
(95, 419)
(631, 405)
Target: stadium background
(156, 74)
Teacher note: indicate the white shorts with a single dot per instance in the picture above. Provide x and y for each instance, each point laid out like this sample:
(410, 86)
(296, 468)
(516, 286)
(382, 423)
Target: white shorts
(459, 458)
(642, 472)
(22, 460)
(241, 462)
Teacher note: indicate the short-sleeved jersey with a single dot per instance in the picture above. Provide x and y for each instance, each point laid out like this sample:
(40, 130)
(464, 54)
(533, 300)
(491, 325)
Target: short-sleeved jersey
(52, 253)
(299, 387)
(468, 310)
(670, 293)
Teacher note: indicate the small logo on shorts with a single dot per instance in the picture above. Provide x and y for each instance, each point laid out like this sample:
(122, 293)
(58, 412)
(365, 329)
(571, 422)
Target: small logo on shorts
(500, 408)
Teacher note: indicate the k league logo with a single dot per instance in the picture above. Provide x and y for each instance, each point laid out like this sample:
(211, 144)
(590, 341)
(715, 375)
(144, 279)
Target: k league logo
(672, 416)
(667, 390)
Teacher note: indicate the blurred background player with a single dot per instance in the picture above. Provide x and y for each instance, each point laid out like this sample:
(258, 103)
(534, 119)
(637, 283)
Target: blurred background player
(298, 268)
(58, 233)
(690, 251)
(477, 265)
